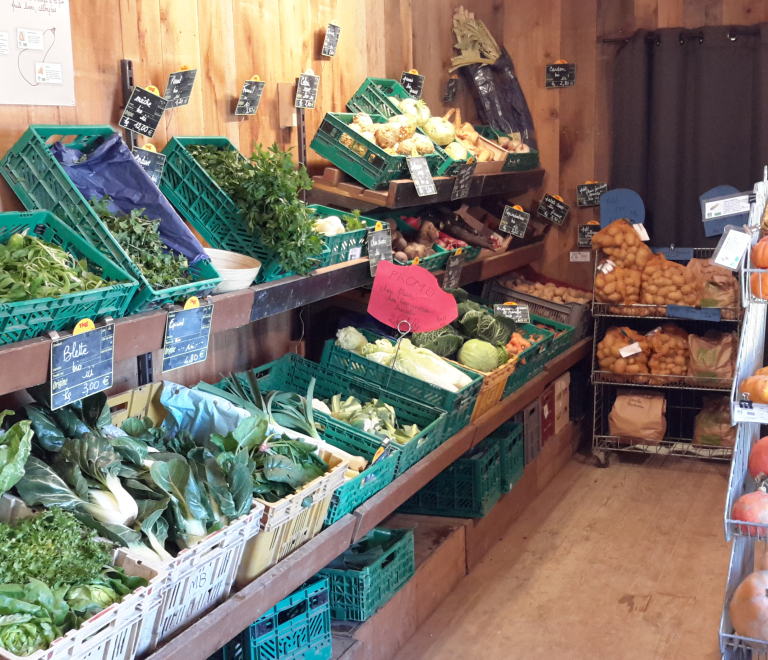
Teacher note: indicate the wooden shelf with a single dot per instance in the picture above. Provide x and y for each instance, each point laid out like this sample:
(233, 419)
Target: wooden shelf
(212, 631)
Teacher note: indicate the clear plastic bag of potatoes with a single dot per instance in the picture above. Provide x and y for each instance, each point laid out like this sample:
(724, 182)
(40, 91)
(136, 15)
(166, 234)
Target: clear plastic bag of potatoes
(617, 354)
(623, 245)
(668, 283)
(670, 354)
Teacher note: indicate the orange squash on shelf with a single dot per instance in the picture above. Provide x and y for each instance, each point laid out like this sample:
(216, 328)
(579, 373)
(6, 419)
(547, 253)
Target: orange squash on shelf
(749, 606)
(758, 460)
(752, 508)
(760, 254)
(758, 283)
(756, 387)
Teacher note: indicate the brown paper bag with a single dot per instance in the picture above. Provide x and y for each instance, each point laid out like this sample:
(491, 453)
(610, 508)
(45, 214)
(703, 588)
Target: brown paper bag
(713, 356)
(719, 288)
(638, 418)
(712, 426)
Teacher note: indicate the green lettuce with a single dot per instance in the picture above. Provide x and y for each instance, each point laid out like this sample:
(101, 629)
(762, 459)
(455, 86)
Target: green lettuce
(15, 446)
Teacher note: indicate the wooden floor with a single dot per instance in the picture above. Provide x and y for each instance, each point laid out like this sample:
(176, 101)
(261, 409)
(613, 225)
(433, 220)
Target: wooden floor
(622, 563)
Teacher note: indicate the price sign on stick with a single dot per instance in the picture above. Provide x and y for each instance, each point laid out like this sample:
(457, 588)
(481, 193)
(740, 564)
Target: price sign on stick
(306, 90)
(453, 270)
(451, 90)
(560, 74)
(589, 193)
(179, 87)
(463, 181)
(586, 232)
(331, 40)
(151, 162)
(250, 97)
(379, 245)
(412, 82)
(412, 294)
(514, 312)
(514, 221)
(422, 177)
(554, 209)
(186, 337)
(143, 112)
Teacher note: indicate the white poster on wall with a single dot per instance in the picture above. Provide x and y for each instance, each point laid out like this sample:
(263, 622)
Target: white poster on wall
(36, 65)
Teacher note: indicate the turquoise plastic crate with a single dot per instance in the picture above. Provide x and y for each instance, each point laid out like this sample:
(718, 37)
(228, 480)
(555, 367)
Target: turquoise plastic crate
(31, 318)
(433, 262)
(535, 358)
(340, 246)
(512, 452)
(205, 206)
(560, 342)
(354, 492)
(514, 162)
(468, 488)
(355, 595)
(40, 182)
(293, 373)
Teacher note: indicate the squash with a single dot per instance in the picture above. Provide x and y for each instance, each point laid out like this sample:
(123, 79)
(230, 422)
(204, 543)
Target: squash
(763, 371)
(760, 254)
(758, 284)
(752, 508)
(756, 387)
(758, 460)
(749, 606)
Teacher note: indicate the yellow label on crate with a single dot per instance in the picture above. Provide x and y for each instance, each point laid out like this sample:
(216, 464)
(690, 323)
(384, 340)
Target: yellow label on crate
(149, 147)
(510, 303)
(517, 207)
(153, 90)
(255, 79)
(458, 251)
(378, 226)
(86, 325)
(416, 261)
(192, 303)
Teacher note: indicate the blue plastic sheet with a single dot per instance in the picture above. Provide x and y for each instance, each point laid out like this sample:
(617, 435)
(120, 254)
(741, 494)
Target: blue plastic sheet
(112, 170)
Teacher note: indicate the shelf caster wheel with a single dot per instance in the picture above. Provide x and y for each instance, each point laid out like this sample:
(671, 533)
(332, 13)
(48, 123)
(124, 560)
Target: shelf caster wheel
(601, 459)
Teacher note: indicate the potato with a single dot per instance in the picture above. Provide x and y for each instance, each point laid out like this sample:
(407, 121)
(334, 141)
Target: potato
(610, 347)
(402, 257)
(666, 282)
(399, 244)
(411, 251)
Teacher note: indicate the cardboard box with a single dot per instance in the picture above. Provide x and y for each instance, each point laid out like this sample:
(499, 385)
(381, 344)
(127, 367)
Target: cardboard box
(548, 413)
(562, 401)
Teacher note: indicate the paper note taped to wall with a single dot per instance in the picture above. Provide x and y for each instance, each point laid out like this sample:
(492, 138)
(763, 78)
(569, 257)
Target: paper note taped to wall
(412, 294)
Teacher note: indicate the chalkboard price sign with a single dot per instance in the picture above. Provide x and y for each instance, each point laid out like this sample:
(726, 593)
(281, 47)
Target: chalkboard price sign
(422, 177)
(560, 75)
(453, 271)
(306, 90)
(81, 365)
(331, 40)
(413, 83)
(186, 337)
(379, 246)
(514, 221)
(586, 232)
(143, 112)
(514, 312)
(250, 98)
(451, 90)
(553, 209)
(463, 181)
(151, 162)
(588, 194)
(179, 87)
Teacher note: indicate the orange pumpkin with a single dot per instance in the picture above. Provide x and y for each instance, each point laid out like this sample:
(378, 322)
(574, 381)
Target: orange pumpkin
(752, 508)
(760, 254)
(758, 283)
(758, 460)
(749, 606)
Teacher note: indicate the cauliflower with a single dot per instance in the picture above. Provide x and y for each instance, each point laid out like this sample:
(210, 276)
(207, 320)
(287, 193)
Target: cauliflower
(406, 125)
(347, 140)
(363, 120)
(387, 135)
(408, 147)
(423, 144)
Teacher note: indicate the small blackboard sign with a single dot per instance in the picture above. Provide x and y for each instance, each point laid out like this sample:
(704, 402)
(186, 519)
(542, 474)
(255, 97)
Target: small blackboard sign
(553, 209)
(463, 181)
(675, 254)
(81, 365)
(451, 90)
(331, 40)
(151, 162)
(453, 271)
(560, 75)
(514, 312)
(179, 87)
(250, 98)
(422, 177)
(413, 83)
(186, 337)
(143, 112)
(379, 246)
(306, 90)
(588, 194)
(514, 222)
(586, 232)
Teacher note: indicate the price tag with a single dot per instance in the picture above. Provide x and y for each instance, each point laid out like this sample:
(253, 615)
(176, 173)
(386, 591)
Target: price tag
(675, 254)
(746, 411)
(560, 75)
(588, 194)
(731, 248)
(514, 221)
(579, 257)
(379, 245)
(186, 337)
(143, 112)
(151, 162)
(632, 349)
(453, 271)
(413, 83)
(422, 177)
(684, 312)
(463, 181)
(451, 90)
(86, 325)
(553, 209)
(81, 365)
(641, 231)
(250, 97)
(514, 312)
(586, 232)
(306, 90)
(606, 267)
(179, 87)
(355, 253)
(725, 206)
(331, 40)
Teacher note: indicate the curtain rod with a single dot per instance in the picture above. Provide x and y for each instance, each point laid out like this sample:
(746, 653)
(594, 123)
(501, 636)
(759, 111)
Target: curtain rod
(733, 33)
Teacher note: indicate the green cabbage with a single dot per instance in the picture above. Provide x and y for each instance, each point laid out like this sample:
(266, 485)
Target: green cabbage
(444, 342)
(480, 355)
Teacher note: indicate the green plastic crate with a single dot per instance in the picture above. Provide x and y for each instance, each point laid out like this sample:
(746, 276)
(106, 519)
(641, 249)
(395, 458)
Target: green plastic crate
(340, 246)
(471, 252)
(205, 206)
(372, 99)
(293, 373)
(468, 488)
(40, 182)
(355, 595)
(535, 358)
(354, 492)
(31, 318)
(512, 452)
(514, 162)
(558, 344)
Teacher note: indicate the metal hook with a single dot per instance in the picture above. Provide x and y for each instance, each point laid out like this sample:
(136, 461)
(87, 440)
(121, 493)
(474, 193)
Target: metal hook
(397, 349)
(732, 38)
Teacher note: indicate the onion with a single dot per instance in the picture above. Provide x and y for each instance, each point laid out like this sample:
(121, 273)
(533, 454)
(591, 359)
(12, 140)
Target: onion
(417, 109)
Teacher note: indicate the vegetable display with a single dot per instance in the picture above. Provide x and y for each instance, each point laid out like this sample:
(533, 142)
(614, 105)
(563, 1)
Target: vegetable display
(421, 243)
(373, 417)
(547, 291)
(333, 225)
(397, 136)
(474, 143)
(31, 268)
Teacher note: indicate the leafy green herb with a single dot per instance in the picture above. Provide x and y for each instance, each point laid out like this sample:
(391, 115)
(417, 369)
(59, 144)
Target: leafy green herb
(15, 446)
(353, 221)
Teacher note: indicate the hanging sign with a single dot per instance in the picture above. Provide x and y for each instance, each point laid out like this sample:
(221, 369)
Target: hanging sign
(586, 232)
(463, 181)
(513, 312)
(179, 87)
(143, 112)
(250, 97)
(331, 40)
(514, 221)
(554, 209)
(560, 74)
(589, 193)
(379, 245)
(621, 203)
(412, 294)
(186, 337)
(413, 83)
(715, 224)
(151, 162)
(731, 248)
(453, 270)
(81, 365)
(451, 90)
(673, 253)
(422, 177)
(306, 90)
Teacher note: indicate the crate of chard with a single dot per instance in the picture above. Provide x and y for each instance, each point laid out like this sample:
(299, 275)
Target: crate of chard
(53, 277)
(201, 178)
(60, 168)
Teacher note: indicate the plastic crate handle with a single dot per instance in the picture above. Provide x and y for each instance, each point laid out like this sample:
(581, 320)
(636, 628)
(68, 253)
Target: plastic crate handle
(291, 613)
(319, 599)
